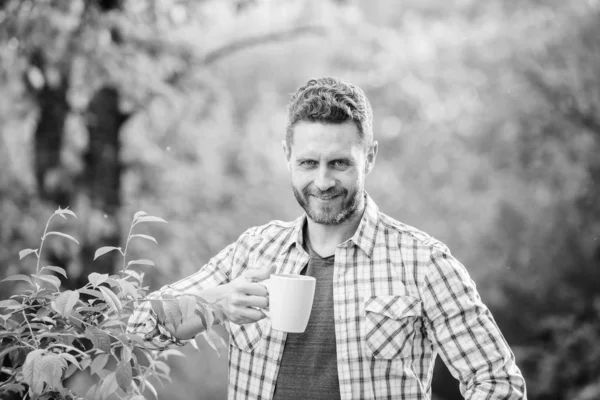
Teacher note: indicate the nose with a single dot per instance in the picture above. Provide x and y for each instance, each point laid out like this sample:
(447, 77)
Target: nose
(324, 179)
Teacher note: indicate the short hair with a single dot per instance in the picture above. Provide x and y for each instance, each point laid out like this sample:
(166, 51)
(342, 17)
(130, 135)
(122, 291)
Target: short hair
(330, 100)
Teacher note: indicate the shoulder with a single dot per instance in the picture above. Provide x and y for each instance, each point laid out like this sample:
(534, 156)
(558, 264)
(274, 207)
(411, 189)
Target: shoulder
(273, 233)
(409, 237)
(427, 260)
(271, 229)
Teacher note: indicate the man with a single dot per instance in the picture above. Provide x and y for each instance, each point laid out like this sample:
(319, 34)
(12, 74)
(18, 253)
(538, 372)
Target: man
(389, 298)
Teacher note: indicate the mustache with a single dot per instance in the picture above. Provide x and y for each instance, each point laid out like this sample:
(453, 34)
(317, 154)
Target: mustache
(313, 191)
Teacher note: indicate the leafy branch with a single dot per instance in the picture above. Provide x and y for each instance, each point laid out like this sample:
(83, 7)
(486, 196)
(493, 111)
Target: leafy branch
(59, 334)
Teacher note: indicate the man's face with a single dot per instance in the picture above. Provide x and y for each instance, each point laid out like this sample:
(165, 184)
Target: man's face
(328, 166)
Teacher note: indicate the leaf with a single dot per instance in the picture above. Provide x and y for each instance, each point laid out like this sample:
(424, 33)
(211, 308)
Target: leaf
(106, 249)
(71, 359)
(18, 277)
(14, 387)
(214, 340)
(152, 389)
(126, 354)
(54, 233)
(8, 350)
(127, 288)
(149, 219)
(172, 314)
(51, 279)
(24, 253)
(112, 282)
(43, 312)
(135, 275)
(111, 323)
(111, 299)
(98, 364)
(172, 311)
(10, 304)
(17, 357)
(162, 367)
(187, 304)
(123, 375)
(140, 262)
(208, 318)
(157, 307)
(61, 212)
(97, 279)
(47, 320)
(65, 302)
(139, 214)
(147, 237)
(70, 370)
(99, 338)
(71, 301)
(108, 386)
(52, 366)
(56, 269)
(32, 371)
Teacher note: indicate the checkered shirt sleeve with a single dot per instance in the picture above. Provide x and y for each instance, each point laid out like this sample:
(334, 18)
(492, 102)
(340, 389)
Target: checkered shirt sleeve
(465, 334)
(144, 321)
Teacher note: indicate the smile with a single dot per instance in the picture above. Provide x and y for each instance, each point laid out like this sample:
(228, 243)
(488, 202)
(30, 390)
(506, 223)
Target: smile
(326, 198)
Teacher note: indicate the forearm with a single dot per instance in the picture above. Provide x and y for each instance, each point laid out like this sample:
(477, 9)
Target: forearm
(196, 324)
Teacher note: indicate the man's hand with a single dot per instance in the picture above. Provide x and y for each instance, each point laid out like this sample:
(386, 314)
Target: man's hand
(238, 301)
(244, 297)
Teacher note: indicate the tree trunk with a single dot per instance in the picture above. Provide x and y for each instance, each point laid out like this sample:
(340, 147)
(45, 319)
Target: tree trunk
(50, 90)
(101, 181)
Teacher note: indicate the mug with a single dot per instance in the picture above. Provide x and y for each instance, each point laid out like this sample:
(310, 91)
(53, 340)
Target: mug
(290, 301)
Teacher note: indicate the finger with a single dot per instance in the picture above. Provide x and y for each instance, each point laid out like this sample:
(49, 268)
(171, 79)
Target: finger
(253, 289)
(254, 301)
(259, 274)
(248, 315)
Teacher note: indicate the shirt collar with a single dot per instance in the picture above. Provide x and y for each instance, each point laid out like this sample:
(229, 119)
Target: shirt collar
(366, 233)
(364, 237)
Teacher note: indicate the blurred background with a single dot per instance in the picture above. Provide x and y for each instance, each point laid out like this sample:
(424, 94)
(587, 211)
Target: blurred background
(487, 116)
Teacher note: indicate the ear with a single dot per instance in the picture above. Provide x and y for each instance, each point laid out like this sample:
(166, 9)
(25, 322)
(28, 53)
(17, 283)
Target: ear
(287, 151)
(371, 156)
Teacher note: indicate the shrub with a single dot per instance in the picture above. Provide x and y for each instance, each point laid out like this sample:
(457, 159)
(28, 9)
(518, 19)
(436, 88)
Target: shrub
(46, 336)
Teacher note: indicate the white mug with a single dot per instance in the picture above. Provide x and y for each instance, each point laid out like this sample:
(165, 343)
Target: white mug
(290, 301)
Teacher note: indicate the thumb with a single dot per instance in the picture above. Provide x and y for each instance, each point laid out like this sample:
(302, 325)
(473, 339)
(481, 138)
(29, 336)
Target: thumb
(258, 274)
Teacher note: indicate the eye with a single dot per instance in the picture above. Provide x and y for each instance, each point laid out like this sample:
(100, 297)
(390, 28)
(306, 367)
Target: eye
(308, 163)
(340, 163)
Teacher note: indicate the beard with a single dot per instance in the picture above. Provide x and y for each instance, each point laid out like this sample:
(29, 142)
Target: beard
(328, 214)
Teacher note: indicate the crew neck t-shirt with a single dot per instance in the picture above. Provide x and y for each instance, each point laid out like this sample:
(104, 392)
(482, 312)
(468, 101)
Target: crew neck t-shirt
(308, 367)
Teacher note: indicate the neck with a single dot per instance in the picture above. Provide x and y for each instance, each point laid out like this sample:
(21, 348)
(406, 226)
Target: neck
(325, 238)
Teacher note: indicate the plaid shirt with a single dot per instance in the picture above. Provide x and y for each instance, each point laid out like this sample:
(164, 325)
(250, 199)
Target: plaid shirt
(400, 299)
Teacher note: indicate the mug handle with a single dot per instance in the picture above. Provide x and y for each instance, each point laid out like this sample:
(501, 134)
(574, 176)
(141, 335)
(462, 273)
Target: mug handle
(267, 283)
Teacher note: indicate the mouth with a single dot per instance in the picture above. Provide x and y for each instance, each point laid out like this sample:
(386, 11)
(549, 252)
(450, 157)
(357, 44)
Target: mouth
(326, 198)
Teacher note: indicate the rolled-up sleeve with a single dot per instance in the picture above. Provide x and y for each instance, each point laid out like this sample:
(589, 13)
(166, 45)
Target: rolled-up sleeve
(145, 323)
(465, 334)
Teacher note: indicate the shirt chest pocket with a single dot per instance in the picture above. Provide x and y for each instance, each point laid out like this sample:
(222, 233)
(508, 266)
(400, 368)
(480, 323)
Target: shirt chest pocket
(247, 337)
(391, 323)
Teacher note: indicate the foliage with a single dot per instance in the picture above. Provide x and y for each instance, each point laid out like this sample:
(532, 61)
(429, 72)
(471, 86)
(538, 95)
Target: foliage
(47, 335)
(552, 247)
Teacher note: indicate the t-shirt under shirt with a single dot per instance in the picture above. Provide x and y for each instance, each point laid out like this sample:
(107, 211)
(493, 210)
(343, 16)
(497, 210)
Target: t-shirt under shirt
(309, 363)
